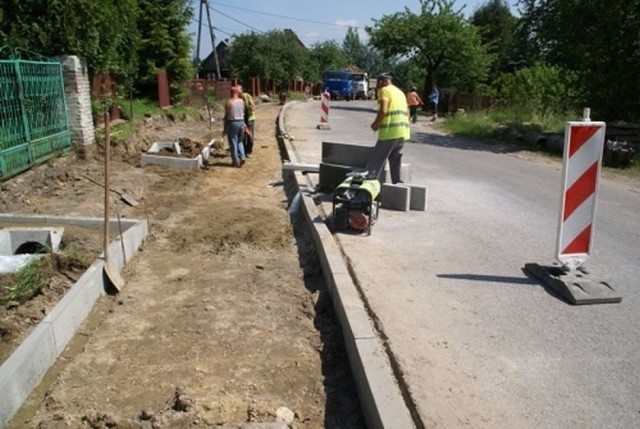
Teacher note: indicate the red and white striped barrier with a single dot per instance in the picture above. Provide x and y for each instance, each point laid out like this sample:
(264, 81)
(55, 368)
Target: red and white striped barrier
(324, 115)
(583, 146)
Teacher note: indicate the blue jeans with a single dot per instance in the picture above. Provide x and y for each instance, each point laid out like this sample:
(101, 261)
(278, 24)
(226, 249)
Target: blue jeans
(235, 137)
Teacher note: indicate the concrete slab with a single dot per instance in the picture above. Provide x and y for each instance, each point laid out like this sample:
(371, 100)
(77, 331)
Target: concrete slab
(331, 175)
(309, 168)
(349, 154)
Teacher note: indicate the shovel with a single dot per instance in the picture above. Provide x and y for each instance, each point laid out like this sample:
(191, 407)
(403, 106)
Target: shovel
(113, 276)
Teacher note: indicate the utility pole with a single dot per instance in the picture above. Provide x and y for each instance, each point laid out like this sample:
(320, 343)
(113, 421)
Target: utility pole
(205, 4)
(197, 58)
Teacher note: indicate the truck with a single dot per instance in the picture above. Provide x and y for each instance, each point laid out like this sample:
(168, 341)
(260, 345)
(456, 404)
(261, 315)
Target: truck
(372, 94)
(339, 84)
(360, 85)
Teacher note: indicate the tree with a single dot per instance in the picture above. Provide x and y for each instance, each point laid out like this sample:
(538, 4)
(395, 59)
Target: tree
(102, 33)
(496, 25)
(410, 74)
(165, 43)
(328, 55)
(354, 50)
(128, 39)
(599, 40)
(439, 39)
(272, 55)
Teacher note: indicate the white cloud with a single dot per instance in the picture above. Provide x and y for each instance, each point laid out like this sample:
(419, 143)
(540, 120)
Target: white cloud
(347, 22)
(311, 34)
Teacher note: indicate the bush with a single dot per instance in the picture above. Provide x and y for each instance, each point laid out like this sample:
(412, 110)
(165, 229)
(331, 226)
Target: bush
(539, 90)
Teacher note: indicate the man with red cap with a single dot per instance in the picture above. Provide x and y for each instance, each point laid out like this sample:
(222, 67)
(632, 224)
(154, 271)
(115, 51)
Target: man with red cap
(234, 126)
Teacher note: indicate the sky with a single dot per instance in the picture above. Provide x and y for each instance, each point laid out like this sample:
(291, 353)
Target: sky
(313, 21)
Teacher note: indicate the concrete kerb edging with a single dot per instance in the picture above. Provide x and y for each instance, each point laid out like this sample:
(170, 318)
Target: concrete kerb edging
(381, 400)
(25, 368)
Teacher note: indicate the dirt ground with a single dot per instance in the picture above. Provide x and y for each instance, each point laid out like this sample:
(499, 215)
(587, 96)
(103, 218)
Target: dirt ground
(223, 319)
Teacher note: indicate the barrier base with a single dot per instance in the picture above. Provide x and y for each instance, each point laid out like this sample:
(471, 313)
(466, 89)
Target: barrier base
(324, 126)
(577, 287)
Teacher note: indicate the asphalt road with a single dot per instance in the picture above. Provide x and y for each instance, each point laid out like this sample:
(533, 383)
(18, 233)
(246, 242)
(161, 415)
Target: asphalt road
(477, 343)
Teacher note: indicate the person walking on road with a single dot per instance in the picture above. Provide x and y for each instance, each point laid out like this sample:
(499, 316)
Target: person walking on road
(234, 126)
(434, 98)
(250, 121)
(414, 101)
(392, 125)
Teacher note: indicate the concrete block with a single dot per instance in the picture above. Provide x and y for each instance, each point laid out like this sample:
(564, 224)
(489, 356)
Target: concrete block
(24, 369)
(350, 309)
(67, 316)
(380, 398)
(355, 156)
(11, 239)
(331, 175)
(418, 198)
(395, 197)
(152, 157)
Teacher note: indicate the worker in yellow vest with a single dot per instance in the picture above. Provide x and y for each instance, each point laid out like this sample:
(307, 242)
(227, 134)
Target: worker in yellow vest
(392, 125)
(250, 122)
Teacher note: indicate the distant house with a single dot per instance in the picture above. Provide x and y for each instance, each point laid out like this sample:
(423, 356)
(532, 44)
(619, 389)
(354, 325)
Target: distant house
(208, 65)
(289, 32)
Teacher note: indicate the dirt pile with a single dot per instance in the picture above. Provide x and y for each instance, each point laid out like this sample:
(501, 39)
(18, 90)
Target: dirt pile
(223, 318)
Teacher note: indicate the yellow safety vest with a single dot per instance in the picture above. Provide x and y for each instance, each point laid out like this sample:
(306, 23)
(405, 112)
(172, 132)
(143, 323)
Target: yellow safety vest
(248, 109)
(395, 124)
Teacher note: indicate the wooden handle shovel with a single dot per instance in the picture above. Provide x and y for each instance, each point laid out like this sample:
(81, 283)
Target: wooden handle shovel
(112, 275)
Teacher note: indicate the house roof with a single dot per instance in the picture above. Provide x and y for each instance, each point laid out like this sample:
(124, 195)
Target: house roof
(290, 32)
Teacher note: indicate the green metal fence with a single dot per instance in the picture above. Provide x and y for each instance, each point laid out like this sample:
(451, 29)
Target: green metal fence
(33, 114)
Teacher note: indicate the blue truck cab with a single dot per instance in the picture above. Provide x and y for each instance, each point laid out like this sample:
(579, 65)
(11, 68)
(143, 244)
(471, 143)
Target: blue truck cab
(339, 84)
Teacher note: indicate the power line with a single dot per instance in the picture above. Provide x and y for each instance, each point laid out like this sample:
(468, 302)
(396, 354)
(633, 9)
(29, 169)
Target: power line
(233, 19)
(281, 16)
(218, 29)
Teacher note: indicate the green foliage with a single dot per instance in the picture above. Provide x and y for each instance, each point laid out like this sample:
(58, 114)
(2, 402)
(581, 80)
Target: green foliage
(28, 281)
(103, 33)
(477, 125)
(144, 108)
(409, 74)
(272, 55)
(326, 56)
(129, 39)
(496, 25)
(73, 257)
(376, 63)
(484, 125)
(165, 44)
(439, 39)
(539, 89)
(600, 40)
(354, 50)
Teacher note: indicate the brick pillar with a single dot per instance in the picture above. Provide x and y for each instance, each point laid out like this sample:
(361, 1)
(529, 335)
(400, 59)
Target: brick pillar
(78, 93)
